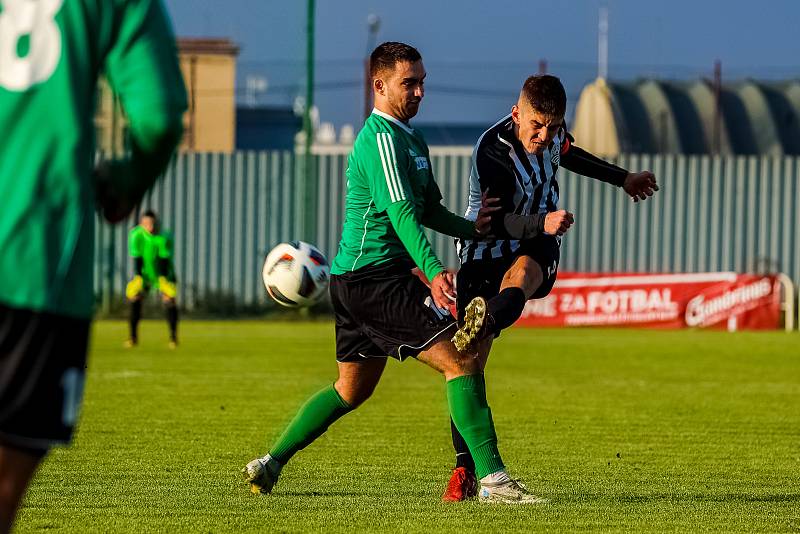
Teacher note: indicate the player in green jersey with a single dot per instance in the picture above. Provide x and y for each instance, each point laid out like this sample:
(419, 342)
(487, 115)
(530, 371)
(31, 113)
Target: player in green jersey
(151, 248)
(51, 54)
(381, 308)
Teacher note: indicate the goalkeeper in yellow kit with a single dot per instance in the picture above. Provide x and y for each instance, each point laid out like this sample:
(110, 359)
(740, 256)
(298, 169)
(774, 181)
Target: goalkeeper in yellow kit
(151, 251)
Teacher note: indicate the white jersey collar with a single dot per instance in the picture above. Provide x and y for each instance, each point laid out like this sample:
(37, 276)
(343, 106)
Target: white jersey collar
(405, 127)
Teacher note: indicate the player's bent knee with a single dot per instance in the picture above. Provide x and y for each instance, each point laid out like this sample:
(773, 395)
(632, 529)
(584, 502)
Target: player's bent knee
(357, 381)
(461, 365)
(354, 394)
(525, 274)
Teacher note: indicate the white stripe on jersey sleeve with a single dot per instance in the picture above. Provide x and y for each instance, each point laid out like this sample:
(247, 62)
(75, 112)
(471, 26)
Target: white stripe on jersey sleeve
(401, 194)
(386, 172)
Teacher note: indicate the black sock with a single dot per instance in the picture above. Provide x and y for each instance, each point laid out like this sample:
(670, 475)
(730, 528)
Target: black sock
(506, 308)
(463, 456)
(172, 320)
(136, 314)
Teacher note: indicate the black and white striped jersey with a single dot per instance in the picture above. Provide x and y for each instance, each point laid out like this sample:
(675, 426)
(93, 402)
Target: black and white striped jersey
(525, 184)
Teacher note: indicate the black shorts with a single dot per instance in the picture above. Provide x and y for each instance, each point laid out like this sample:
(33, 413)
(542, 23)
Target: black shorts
(384, 310)
(42, 366)
(482, 278)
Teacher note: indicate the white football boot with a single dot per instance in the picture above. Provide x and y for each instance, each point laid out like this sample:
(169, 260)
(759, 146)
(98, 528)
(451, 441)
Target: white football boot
(510, 492)
(261, 475)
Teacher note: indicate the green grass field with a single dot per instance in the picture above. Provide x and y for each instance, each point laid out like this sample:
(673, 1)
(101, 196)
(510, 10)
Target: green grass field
(623, 430)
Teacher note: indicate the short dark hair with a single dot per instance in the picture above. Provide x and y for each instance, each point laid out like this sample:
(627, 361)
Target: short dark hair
(386, 55)
(149, 213)
(546, 95)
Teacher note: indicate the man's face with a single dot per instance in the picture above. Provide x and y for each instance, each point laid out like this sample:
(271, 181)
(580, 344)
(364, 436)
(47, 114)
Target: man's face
(534, 130)
(149, 224)
(401, 90)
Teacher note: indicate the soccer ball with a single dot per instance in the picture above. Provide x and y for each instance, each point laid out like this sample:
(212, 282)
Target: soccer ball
(295, 274)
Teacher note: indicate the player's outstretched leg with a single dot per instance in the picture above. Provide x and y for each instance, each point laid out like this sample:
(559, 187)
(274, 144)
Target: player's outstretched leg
(313, 419)
(355, 385)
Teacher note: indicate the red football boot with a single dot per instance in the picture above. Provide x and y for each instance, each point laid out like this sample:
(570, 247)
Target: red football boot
(461, 487)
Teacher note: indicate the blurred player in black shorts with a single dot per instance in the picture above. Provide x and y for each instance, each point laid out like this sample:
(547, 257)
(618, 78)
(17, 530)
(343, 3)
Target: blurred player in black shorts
(50, 191)
(516, 161)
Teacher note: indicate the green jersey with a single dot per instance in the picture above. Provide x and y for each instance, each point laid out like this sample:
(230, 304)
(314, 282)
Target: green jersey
(51, 54)
(153, 249)
(391, 194)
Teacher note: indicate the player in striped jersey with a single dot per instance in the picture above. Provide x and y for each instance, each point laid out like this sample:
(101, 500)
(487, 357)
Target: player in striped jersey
(517, 161)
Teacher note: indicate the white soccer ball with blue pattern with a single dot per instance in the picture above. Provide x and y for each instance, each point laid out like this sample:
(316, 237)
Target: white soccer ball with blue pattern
(295, 274)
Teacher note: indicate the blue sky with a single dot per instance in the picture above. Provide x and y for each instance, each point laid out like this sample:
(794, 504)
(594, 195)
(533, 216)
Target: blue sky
(477, 53)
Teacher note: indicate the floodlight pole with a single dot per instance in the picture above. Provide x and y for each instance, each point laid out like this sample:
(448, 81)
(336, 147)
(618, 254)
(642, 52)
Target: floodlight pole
(373, 25)
(309, 183)
(602, 44)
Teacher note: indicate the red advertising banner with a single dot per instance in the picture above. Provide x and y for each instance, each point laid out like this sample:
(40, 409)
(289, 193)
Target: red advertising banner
(702, 300)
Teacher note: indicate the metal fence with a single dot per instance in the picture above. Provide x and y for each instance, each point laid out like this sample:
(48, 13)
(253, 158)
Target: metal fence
(227, 210)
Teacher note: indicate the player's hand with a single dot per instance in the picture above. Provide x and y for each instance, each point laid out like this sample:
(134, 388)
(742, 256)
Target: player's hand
(111, 204)
(167, 288)
(558, 222)
(483, 222)
(443, 290)
(134, 288)
(640, 185)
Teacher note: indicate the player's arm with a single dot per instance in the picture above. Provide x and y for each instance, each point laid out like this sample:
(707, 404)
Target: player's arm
(136, 284)
(164, 267)
(637, 185)
(392, 193)
(440, 219)
(164, 264)
(409, 230)
(135, 250)
(142, 68)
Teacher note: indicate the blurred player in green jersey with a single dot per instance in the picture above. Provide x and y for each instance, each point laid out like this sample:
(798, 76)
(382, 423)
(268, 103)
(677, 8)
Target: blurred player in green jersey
(51, 54)
(151, 248)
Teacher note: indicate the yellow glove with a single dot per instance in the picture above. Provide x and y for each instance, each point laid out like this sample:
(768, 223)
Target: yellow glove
(167, 288)
(134, 287)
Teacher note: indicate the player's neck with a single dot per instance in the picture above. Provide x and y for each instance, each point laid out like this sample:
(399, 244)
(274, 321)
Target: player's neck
(386, 111)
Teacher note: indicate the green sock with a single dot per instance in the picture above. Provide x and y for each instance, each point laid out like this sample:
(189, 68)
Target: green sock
(473, 419)
(313, 419)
